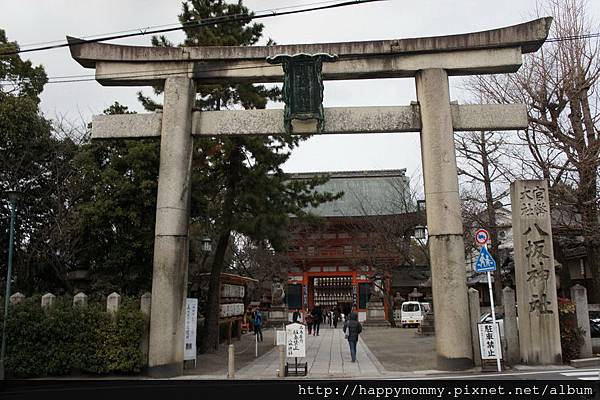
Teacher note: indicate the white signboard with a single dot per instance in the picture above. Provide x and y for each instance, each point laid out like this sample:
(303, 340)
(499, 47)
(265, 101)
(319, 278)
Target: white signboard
(295, 340)
(231, 310)
(280, 338)
(191, 316)
(489, 342)
(236, 291)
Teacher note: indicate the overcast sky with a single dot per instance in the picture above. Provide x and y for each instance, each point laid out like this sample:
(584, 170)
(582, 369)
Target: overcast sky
(33, 21)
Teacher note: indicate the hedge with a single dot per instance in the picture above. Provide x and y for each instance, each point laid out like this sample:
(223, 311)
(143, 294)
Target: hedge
(571, 336)
(66, 339)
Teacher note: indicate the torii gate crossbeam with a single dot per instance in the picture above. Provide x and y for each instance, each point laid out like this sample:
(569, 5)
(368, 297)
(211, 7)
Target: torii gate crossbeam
(429, 60)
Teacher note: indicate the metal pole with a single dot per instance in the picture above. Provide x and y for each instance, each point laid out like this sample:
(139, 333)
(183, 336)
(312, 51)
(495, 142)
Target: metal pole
(496, 332)
(256, 344)
(13, 214)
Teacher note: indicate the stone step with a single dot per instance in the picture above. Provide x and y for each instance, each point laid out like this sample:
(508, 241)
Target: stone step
(586, 362)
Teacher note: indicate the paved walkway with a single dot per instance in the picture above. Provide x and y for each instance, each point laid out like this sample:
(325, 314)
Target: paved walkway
(327, 355)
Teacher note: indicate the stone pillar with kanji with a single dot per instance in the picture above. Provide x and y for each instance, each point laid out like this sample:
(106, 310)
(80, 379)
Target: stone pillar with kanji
(539, 332)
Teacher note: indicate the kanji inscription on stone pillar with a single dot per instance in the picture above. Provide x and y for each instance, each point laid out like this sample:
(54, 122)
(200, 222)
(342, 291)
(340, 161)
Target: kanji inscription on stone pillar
(539, 333)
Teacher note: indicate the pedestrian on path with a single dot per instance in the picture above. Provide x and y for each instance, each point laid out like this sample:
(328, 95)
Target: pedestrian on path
(309, 321)
(296, 316)
(257, 323)
(352, 328)
(336, 317)
(317, 319)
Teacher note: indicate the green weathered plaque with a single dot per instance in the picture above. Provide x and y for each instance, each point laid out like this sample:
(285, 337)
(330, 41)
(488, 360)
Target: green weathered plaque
(302, 87)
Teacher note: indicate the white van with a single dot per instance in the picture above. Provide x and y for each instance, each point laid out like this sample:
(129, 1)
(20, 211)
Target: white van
(412, 313)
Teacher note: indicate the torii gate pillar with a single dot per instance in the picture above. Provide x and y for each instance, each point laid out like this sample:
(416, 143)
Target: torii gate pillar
(431, 60)
(444, 222)
(169, 274)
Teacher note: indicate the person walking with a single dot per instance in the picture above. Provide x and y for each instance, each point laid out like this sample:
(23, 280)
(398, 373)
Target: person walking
(296, 316)
(309, 321)
(352, 328)
(257, 323)
(336, 317)
(317, 319)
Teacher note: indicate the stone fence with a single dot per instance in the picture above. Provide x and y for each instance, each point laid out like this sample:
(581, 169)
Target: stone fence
(113, 303)
(595, 340)
(510, 339)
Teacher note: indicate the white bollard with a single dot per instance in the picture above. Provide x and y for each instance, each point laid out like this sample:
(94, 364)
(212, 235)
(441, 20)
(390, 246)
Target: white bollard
(281, 371)
(231, 363)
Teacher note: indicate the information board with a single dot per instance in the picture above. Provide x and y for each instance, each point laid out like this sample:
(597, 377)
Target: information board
(295, 340)
(191, 316)
(489, 341)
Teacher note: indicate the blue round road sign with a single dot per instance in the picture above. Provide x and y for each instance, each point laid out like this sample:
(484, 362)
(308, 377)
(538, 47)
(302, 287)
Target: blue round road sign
(482, 236)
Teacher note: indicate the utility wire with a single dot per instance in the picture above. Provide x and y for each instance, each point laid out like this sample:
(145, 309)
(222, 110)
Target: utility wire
(574, 37)
(179, 70)
(142, 29)
(198, 24)
(161, 72)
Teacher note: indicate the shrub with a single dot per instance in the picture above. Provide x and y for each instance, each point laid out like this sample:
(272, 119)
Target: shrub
(63, 339)
(571, 336)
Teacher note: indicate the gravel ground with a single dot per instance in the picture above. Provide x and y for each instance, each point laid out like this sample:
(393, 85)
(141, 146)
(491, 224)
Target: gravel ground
(216, 363)
(401, 350)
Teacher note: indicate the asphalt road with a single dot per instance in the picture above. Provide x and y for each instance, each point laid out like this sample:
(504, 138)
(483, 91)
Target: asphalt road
(583, 374)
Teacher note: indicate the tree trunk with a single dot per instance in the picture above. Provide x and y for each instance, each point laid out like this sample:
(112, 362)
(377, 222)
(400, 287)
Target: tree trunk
(210, 341)
(211, 325)
(389, 299)
(593, 252)
(587, 200)
(492, 225)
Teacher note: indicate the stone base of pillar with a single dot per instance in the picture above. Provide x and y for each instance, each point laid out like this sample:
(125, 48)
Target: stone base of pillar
(376, 315)
(454, 364)
(166, 371)
(426, 327)
(278, 315)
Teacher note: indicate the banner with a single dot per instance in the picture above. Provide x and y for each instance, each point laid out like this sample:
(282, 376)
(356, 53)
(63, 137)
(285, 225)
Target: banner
(191, 317)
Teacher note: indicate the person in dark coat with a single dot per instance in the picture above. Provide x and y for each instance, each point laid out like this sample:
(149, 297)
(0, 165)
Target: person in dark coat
(257, 323)
(317, 319)
(296, 316)
(336, 317)
(352, 328)
(308, 318)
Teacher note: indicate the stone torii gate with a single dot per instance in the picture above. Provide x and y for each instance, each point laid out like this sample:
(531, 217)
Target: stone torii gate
(429, 60)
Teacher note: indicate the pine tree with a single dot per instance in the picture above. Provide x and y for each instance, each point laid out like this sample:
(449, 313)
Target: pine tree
(238, 184)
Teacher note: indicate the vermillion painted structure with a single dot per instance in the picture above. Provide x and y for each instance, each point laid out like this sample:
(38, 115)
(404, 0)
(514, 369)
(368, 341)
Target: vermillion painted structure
(335, 259)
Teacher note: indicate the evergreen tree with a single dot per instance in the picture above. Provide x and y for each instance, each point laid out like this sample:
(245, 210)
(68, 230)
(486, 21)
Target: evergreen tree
(117, 211)
(238, 184)
(26, 155)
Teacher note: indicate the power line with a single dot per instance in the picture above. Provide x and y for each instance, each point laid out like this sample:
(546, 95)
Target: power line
(574, 37)
(162, 72)
(198, 24)
(141, 29)
(179, 70)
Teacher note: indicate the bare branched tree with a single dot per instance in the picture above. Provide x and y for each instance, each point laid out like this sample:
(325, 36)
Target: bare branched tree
(484, 171)
(559, 85)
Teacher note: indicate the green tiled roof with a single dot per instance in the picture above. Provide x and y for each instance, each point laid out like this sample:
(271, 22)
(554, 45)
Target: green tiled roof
(366, 193)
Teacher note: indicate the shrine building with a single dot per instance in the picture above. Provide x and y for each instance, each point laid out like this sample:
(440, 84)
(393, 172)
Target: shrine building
(355, 240)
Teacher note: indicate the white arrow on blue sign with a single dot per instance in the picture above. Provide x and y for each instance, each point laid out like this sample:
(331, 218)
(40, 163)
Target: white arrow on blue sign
(485, 262)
